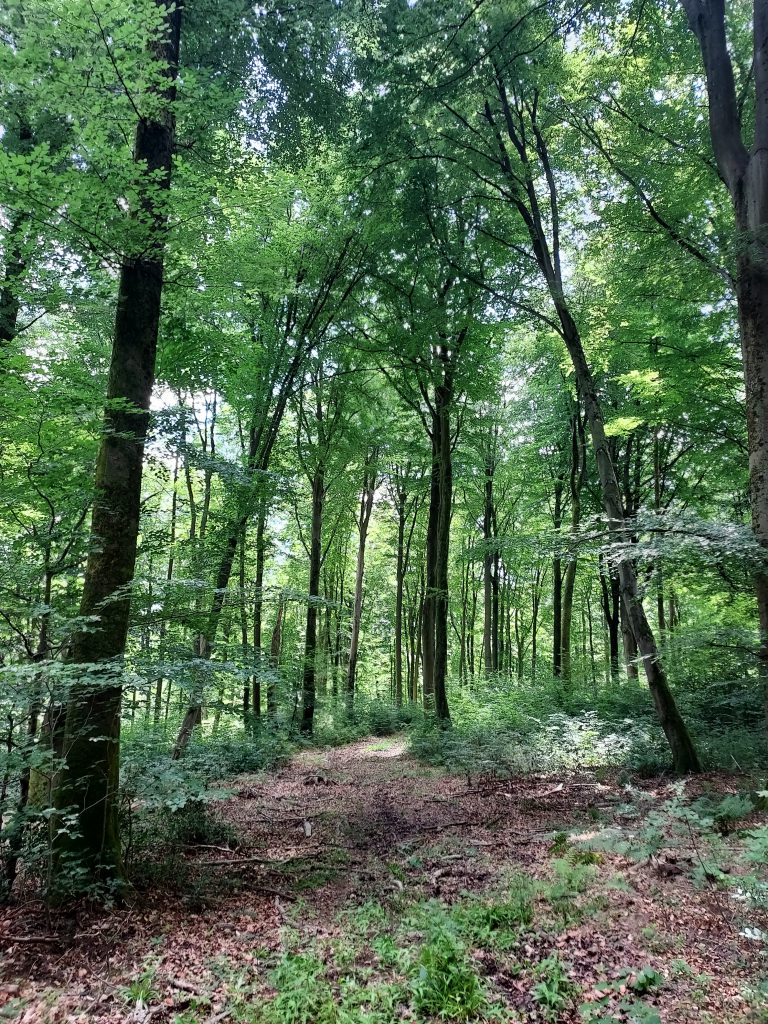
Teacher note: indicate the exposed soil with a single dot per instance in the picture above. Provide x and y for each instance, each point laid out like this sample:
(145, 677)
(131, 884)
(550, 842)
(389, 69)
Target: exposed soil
(335, 829)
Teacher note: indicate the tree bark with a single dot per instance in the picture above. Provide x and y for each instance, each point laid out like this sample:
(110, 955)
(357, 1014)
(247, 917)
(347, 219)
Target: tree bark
(258, 607)
(557, 585)
(399, 583)
(363, 522)
(315, 564)
(274, 660)
(490, 576)
(435, 610)
(89, 782)
(577, 475)
(745, 173)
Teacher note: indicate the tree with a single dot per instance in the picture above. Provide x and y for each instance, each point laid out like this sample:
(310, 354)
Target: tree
(510, 156)
(744, 170)
(92, 731)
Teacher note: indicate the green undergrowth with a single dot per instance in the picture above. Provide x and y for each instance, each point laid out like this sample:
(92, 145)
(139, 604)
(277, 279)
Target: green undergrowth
(509, 729)
(495, 956)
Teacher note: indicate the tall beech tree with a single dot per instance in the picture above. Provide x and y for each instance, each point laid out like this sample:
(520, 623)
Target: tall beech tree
(741, 153)
(89, 779)
(323, 414)
(367, 494)
(495, 115)
(290, 306)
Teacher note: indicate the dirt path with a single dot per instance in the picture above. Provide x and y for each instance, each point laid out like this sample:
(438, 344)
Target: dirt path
(362, 849)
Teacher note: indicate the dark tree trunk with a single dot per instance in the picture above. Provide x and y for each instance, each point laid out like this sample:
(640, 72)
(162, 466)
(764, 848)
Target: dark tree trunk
(435, 612)
(428, 610)
(577, 476)
(244, 635)
(609, 600)
(400, 582)
(557, 585)
(315, 564)
(258, 607)
(89, 782)
(419, 633)
(745, 172)
(15, 266)
(490, 577)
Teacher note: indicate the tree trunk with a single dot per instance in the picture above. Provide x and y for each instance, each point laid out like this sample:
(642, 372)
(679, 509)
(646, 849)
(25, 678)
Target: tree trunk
(400, 581)
(89, 782)
(258, 608)
(363, 522)
(244, 635)
(745, 172)
(428, 611)
(14, 269)
(577, 476)
(531, 145)
(491, 641)
(274, 660)
(440, 549)
(315, 564)
(168, 577)
(557, 585)
(683, 751)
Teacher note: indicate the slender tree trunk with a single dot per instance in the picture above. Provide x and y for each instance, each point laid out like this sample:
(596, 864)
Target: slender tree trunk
(315, 564)
(14, 831)
(168, 577)
(258, 607)
(274, 660)
(400, 582)
(89, 782)
(577, 475)
(681, 745)
(363, 522)
(535, 604)
(419, 633)
(428, 611)
(244, 634)
(609, 598)
(557, 585)
(490, 606)
(443, 397)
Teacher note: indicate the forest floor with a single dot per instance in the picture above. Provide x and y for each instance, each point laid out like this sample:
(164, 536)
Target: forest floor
(366, 887)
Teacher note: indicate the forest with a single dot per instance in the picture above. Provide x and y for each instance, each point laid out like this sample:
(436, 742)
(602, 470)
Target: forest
(383, 511)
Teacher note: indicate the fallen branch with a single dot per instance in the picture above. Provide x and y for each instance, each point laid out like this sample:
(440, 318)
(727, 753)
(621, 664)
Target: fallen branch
(30, 938)
(205, 846)
(246, 860)
(446, 824)
(185, 986)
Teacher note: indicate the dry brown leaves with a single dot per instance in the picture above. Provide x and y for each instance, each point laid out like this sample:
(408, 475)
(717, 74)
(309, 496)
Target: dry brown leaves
(336, 828)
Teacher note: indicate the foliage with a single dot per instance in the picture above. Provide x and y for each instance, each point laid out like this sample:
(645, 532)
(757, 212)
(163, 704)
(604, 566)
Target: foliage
(445, 984)
(354, 285)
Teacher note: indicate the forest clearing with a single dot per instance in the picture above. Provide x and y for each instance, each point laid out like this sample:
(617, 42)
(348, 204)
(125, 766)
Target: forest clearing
(383, 511)
(353, 868)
